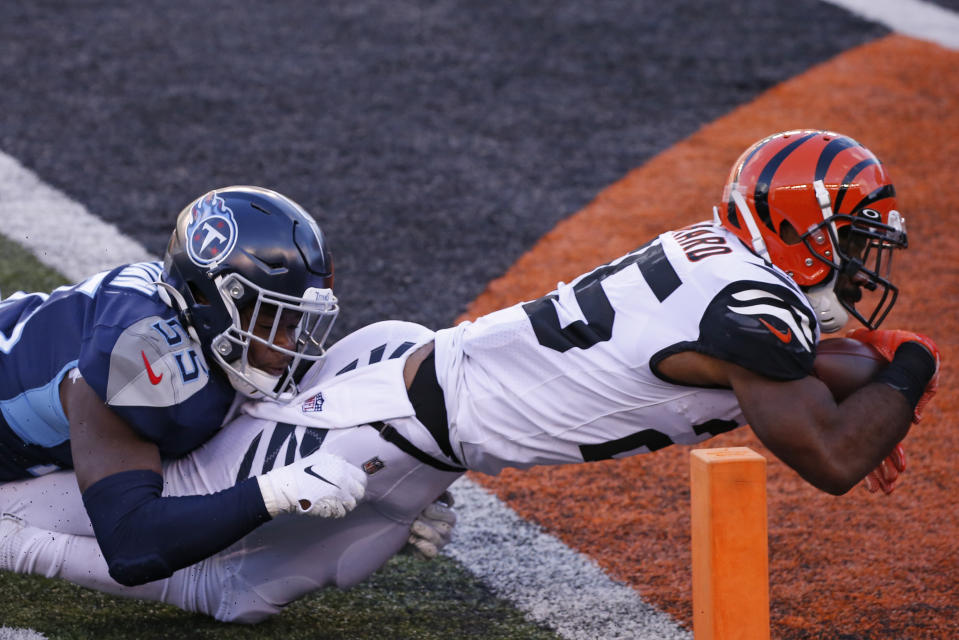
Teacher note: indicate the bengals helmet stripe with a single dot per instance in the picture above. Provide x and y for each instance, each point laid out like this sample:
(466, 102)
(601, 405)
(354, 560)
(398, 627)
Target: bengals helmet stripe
(765, 178)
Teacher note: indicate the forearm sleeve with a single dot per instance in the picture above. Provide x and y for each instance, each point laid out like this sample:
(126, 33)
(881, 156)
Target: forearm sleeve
(146, 537)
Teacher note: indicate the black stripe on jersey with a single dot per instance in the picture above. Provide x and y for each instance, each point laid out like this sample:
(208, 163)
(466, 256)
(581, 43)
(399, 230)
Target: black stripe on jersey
(400, 350)
(348, 367)
(247, 463)
(658, 272)
(649, 438)
(281, 433)
(312, 440)
(714, 427)
(377, 354)
(313, 437)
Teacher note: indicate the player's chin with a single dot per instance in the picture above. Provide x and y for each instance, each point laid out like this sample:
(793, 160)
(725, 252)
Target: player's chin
(850, 294)
(276, 370)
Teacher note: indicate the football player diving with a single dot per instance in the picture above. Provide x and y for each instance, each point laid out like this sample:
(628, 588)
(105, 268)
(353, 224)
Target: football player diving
(112, 375)
(701, 330)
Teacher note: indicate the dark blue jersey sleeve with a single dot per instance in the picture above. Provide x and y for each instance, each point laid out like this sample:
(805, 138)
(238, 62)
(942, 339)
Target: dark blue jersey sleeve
(141, 361)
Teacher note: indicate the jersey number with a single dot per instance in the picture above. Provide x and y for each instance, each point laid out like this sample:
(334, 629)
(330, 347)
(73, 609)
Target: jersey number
(599, 314)
(593, 302)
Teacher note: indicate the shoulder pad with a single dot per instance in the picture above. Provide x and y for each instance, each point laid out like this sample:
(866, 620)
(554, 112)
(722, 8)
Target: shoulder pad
(154, 363)
(765, 327)
(140, 277)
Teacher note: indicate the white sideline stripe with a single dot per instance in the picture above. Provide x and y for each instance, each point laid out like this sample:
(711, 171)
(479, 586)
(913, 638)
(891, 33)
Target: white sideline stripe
(59, 231)
(915, 18)
(10, 633)
(551, 583)
(556, 586)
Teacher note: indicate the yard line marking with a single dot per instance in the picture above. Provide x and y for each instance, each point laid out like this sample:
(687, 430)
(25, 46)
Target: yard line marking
(556, 586)
(59, 231)
(12, 633)
(913, 18)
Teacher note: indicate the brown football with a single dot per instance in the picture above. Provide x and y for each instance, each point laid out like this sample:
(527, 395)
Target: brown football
(845, 365)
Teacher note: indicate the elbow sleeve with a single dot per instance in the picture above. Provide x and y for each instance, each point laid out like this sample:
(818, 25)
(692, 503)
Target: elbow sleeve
(146, 537)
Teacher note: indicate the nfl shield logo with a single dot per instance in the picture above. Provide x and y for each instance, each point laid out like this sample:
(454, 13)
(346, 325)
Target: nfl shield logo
(313, 405)
(373, 465)
(211, 233)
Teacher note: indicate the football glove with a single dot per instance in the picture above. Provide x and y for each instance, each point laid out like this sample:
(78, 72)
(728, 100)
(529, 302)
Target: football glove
(886, 475)
(433, 528)
(886, 341)
(320, 484)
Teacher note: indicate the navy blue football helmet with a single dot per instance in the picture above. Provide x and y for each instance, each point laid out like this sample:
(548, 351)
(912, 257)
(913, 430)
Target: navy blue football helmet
(248, 268)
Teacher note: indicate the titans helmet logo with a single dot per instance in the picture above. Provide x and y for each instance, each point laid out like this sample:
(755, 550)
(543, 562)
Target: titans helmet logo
(211, 232)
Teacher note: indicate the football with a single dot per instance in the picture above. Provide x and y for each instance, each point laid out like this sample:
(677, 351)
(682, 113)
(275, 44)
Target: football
(845, 365)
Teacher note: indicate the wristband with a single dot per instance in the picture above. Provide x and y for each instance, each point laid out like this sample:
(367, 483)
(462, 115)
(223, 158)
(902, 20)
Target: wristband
(909, 372)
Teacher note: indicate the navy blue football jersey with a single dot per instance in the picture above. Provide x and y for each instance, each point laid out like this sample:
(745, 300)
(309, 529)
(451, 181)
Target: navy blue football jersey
(114, 330)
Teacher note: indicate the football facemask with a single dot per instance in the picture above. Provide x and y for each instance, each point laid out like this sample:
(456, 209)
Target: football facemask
(275, 334)
(861, 283)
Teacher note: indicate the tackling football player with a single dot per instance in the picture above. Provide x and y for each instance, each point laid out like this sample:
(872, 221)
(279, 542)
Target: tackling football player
(700, 331)
(111, 375)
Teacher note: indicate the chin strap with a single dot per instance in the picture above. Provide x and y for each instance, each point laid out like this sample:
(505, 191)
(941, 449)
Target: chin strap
(175, 300)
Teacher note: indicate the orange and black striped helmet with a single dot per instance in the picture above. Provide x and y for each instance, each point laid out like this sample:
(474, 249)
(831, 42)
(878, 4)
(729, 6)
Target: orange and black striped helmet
(821, 207)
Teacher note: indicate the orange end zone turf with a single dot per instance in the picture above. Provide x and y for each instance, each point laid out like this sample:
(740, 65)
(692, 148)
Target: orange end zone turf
(729, 544)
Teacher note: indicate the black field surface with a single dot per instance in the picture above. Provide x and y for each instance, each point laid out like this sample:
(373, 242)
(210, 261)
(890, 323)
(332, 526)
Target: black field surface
(435, 142)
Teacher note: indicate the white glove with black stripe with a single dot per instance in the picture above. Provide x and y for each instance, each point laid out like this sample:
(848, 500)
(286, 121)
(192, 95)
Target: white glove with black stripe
(433, 528)
(321, 484)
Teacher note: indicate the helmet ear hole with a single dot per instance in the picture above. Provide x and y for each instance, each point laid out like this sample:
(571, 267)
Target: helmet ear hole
(198, 295)
(788, 233)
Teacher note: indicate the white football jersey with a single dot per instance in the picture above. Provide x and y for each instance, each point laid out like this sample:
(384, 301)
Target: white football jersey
(572, 377)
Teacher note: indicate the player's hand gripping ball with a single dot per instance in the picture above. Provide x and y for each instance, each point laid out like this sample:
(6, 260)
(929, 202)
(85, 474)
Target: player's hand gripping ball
(886, 341)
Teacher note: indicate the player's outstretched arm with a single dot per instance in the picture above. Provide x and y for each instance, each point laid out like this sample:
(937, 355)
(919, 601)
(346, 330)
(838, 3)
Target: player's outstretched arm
(144, 536)
(835, 446)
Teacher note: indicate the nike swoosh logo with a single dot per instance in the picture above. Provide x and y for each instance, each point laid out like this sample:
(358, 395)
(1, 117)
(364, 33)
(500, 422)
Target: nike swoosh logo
(154, 378)
(309, 471)
(786, 336)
